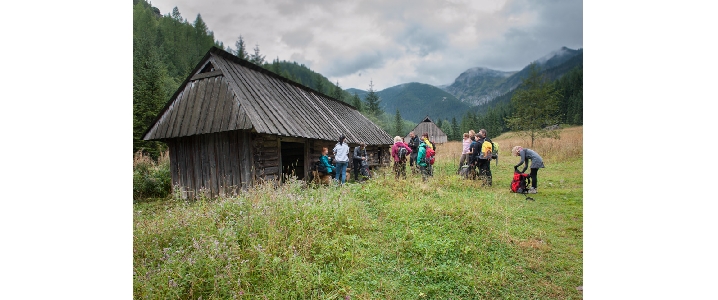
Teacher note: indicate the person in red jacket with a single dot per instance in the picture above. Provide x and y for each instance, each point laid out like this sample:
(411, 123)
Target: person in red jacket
(399, 160)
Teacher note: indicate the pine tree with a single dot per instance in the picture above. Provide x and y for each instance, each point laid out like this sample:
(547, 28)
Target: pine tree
(446, 128)
(176, 14)
(356, 102)
(373, 101)
(256, 58)
(148, 93)
(455, 129)
(319, 82)
(241, 49)
(337, 93)
(535, 107)
(398, 124)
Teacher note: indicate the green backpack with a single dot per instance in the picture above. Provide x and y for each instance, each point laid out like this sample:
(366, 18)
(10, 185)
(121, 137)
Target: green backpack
(494, 150)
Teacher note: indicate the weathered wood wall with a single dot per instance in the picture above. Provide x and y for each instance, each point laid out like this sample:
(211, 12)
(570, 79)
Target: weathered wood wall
(215, 164)
(266, 156)
(223, 164)
(435, 133)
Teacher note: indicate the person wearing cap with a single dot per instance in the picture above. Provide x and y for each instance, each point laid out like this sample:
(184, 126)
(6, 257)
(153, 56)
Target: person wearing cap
(341, 151)
(359, 156)
(536, 163)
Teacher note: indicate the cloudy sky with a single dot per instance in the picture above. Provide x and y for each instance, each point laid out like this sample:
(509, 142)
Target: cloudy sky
(393, 41)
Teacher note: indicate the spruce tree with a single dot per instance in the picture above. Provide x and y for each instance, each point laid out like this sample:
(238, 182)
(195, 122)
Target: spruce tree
(319, 83)
(256, 58)
(148, 93)
(535, 107)
(373, 101)
(241, 48)
(457, 134)
(398, 124)
(356, 102)
(446, 128)
(337, 93)
(176, 14)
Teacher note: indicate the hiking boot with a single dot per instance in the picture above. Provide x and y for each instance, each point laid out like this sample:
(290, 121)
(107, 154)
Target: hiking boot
(533, 191)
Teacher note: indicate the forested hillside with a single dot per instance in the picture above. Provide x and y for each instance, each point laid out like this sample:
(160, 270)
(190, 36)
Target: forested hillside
(166, 47)
(416, 100)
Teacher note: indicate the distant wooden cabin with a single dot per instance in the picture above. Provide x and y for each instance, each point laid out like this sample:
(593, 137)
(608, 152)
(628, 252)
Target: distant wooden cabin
(232, 124)
(435, 133)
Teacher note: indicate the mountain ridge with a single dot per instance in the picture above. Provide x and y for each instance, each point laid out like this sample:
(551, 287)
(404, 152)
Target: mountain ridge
(481, 85)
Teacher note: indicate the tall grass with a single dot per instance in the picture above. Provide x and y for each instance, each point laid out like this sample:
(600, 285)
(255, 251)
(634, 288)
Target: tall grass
(150, 178)
(568, 147)
(446, 238)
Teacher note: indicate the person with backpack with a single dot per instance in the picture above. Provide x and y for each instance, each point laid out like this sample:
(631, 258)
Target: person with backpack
(359, 156)
(484, 158)
(536, 163)
(429, 145)
(474, 149)
(399, 151)
(421, 161)
(414, 145)
(464, 151)
(341, 151)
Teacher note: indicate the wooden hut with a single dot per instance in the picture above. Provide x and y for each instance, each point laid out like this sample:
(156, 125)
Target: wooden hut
(232, 123)
(435, 133)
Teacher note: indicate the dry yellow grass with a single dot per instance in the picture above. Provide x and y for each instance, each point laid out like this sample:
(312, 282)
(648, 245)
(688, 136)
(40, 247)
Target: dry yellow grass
(569, 146)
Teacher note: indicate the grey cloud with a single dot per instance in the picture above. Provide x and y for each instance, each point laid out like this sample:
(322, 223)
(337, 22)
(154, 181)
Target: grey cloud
(298, 38)
(364, 60)
(422, 40)
(296, 8)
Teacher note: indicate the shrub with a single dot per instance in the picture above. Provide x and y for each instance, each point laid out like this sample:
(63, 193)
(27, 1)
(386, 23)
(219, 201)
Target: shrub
(151, 179)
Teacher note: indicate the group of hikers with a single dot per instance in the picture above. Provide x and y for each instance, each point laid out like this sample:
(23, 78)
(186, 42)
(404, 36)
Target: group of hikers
(477, 152)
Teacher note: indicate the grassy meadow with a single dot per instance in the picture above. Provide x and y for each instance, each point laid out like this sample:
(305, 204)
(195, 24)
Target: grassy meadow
(447, 238)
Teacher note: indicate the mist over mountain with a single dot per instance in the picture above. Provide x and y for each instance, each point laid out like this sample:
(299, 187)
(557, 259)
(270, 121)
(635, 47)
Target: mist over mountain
(477, 89)
(478, 86)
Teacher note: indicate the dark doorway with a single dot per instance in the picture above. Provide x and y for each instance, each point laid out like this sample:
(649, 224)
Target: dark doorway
(292, 160)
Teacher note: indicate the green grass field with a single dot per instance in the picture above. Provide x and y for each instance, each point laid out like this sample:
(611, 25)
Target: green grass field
(447, 238)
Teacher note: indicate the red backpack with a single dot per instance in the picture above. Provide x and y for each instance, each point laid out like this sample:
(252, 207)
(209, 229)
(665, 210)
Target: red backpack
(429, 158)
(520, 182)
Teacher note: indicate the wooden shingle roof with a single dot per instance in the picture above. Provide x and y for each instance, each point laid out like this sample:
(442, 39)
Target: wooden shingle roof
(226, 93)
(428, 126)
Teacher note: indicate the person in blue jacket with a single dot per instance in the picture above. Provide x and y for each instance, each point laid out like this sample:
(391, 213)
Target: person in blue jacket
(423, 166)
(324, 159)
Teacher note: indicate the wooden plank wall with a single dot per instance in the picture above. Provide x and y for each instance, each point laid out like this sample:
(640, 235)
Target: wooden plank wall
(266, 156)
(215, 164)
(223, 164)
(435, 133)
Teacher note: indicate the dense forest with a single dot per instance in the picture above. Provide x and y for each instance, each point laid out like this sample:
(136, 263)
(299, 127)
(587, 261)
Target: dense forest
(167, 47)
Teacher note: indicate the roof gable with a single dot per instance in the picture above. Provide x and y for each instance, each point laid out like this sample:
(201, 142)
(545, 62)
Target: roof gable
(227, 93)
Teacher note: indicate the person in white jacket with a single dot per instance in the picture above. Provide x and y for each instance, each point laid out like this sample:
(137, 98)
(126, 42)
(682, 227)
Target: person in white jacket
(341, 157)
